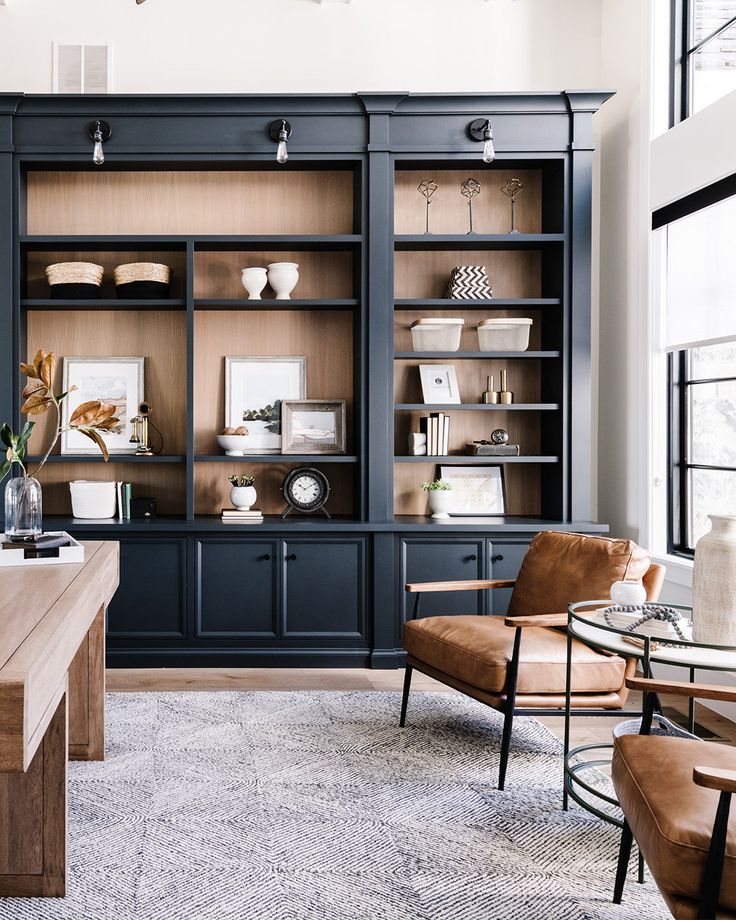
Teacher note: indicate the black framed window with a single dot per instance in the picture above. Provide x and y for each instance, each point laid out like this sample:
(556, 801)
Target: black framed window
(697, 238)
(703, 54)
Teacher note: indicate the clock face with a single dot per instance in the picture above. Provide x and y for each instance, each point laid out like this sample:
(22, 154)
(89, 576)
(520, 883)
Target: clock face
(306, 489)
(499, 436)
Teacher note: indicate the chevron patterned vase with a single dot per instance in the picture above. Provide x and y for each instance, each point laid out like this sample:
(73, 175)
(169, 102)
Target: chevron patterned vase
(469, 282)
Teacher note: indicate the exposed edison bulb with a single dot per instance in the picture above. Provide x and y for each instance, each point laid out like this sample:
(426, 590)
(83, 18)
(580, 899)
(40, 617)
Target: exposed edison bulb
(98, 155)
(489, 153)
(282, 154)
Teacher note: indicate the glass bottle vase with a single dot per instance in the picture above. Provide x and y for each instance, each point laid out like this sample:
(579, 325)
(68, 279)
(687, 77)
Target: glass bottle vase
(23, 508)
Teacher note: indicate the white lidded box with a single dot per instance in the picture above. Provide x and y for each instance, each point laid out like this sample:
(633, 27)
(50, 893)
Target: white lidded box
(96, 500)
(504, 334)
(436, 334)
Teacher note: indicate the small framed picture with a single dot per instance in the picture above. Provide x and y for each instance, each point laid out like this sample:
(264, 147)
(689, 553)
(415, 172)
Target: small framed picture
(476, 490)
(439, 384)
(313, 426)
(114, 381)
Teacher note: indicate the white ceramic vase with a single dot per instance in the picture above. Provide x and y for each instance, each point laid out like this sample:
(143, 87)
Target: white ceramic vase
(714, 583)
(243, 497)
(440, 503)
(254, 281)
(283, 276)
(628, 593)
(260, 440)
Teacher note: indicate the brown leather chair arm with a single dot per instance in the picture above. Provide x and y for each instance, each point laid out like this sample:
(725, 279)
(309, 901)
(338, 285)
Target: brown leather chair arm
(682, 688)
(715, 778)
(538, 620)
(421, 587)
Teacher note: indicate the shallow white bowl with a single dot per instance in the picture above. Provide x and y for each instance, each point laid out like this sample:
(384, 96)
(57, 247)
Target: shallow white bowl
(233, 444)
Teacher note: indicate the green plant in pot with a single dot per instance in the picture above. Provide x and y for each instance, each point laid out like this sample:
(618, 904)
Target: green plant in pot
(242, 494)
(440, 498)
(23, 510)
(268, 416)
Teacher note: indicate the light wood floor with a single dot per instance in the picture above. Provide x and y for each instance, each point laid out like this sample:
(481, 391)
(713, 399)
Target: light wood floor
(585, 729)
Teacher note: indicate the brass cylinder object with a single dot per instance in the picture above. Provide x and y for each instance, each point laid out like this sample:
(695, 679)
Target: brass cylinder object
(490, 395)
(506, 397)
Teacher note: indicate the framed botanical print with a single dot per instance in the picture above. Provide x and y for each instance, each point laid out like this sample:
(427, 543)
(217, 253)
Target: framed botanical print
(254, 382)
(439, 384)
(313, 426)
(476, 490)
(113, 381)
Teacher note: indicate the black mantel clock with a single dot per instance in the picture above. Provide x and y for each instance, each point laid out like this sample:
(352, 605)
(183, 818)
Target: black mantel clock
(307, 490)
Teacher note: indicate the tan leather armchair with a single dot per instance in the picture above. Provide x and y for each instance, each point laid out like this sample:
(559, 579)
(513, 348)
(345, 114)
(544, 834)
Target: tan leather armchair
(675, 794)
(485, 656)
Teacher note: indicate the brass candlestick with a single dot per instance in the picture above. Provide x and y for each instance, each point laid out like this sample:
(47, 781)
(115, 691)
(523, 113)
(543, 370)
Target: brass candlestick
(490, 395)
(504, 396)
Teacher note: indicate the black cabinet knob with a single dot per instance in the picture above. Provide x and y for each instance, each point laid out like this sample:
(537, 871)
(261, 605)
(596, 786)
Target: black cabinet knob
(471, 558)
(291, 557)
(498, 558)
(265, 557)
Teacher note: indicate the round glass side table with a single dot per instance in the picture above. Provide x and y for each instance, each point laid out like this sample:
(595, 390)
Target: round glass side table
(586, 624)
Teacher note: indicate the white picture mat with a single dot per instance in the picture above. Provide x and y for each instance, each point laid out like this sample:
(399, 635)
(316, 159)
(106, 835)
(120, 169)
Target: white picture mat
(256, 382)
(439, 384)
(475, 490)
(116, 381)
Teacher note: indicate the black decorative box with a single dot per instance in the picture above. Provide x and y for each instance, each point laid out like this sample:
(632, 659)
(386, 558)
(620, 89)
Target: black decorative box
(143, 507)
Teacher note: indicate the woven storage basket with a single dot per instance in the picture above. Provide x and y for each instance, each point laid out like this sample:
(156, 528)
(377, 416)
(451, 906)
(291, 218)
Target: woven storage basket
(469, 282)
(80, 280)
(142, 279)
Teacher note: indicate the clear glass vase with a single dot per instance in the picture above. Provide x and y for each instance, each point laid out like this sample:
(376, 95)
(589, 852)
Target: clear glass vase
(23, 508)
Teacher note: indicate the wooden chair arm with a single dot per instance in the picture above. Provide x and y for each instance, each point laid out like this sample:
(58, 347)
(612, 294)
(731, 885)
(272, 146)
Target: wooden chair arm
(682, 688)
(421, 587)
(715, 778)
(538, 620)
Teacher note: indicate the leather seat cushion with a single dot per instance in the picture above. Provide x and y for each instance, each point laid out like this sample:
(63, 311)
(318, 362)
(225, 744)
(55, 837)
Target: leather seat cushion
(562, 568)
(671, 817)
(477, 650)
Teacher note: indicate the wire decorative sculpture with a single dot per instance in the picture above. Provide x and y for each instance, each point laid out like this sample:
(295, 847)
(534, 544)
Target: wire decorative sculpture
(427, 187)
(511, 189)
(469, 189)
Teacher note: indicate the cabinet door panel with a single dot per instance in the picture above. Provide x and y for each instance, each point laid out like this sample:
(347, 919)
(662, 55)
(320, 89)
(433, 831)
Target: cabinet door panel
(151, 599)
(432, 560)
(237, 588)
(324, 588)
(504, 562)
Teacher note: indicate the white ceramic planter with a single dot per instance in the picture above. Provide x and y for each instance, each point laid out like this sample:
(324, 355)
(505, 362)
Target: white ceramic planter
(259, 440)
(254, 281)
(714, 583)
(440, 504)
(283, 276)
(243, 497)
(628, 592)
(93, 500)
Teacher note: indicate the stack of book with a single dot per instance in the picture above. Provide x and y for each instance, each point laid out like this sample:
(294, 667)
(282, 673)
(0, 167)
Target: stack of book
(656, 629)
(124, 490)
(233, 516)
(436, 427)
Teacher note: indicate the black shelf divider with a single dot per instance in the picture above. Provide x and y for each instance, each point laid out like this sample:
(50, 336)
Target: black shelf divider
(314, 459)
(460, 460)
(114, 458)
(102, 304)
(203, 303)
(452, 303)
(475, 241)
(475, 407)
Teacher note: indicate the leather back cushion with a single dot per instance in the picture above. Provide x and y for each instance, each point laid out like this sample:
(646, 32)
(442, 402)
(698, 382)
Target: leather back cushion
(561, 568)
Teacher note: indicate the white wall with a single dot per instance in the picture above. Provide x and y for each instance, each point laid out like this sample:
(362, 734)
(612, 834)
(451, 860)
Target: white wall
(256, 46)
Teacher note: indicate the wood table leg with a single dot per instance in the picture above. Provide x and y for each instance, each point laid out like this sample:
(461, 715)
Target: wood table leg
(33, 819)
(87, 695)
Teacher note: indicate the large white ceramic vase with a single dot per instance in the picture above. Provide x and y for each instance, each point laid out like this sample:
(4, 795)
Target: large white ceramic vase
(283, 276)
(714, 583)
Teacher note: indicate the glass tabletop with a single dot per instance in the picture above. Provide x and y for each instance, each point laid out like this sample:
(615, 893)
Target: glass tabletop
(587, 624)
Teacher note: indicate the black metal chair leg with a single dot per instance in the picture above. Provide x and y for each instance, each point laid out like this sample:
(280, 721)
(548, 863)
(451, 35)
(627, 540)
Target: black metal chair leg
(624, 854)
(640, 879)
(405, 697)
(710, 893)
(511, 681)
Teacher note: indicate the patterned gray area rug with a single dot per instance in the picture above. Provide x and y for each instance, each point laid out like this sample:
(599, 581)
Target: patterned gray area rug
(316, 806)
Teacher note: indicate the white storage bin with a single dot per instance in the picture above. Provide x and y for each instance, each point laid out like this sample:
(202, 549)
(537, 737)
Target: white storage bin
(93, 499)
(436, 334)
(504, 334)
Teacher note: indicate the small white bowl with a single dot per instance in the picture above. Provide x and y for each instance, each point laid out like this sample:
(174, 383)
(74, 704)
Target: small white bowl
(233, 444)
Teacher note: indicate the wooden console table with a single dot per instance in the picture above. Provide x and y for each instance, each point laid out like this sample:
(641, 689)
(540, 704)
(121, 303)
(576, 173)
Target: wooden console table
(52, 700)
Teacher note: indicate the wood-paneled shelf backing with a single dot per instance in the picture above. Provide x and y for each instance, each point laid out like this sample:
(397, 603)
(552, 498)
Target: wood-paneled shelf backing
(325, 338)
(158, 335)
(194, 202)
